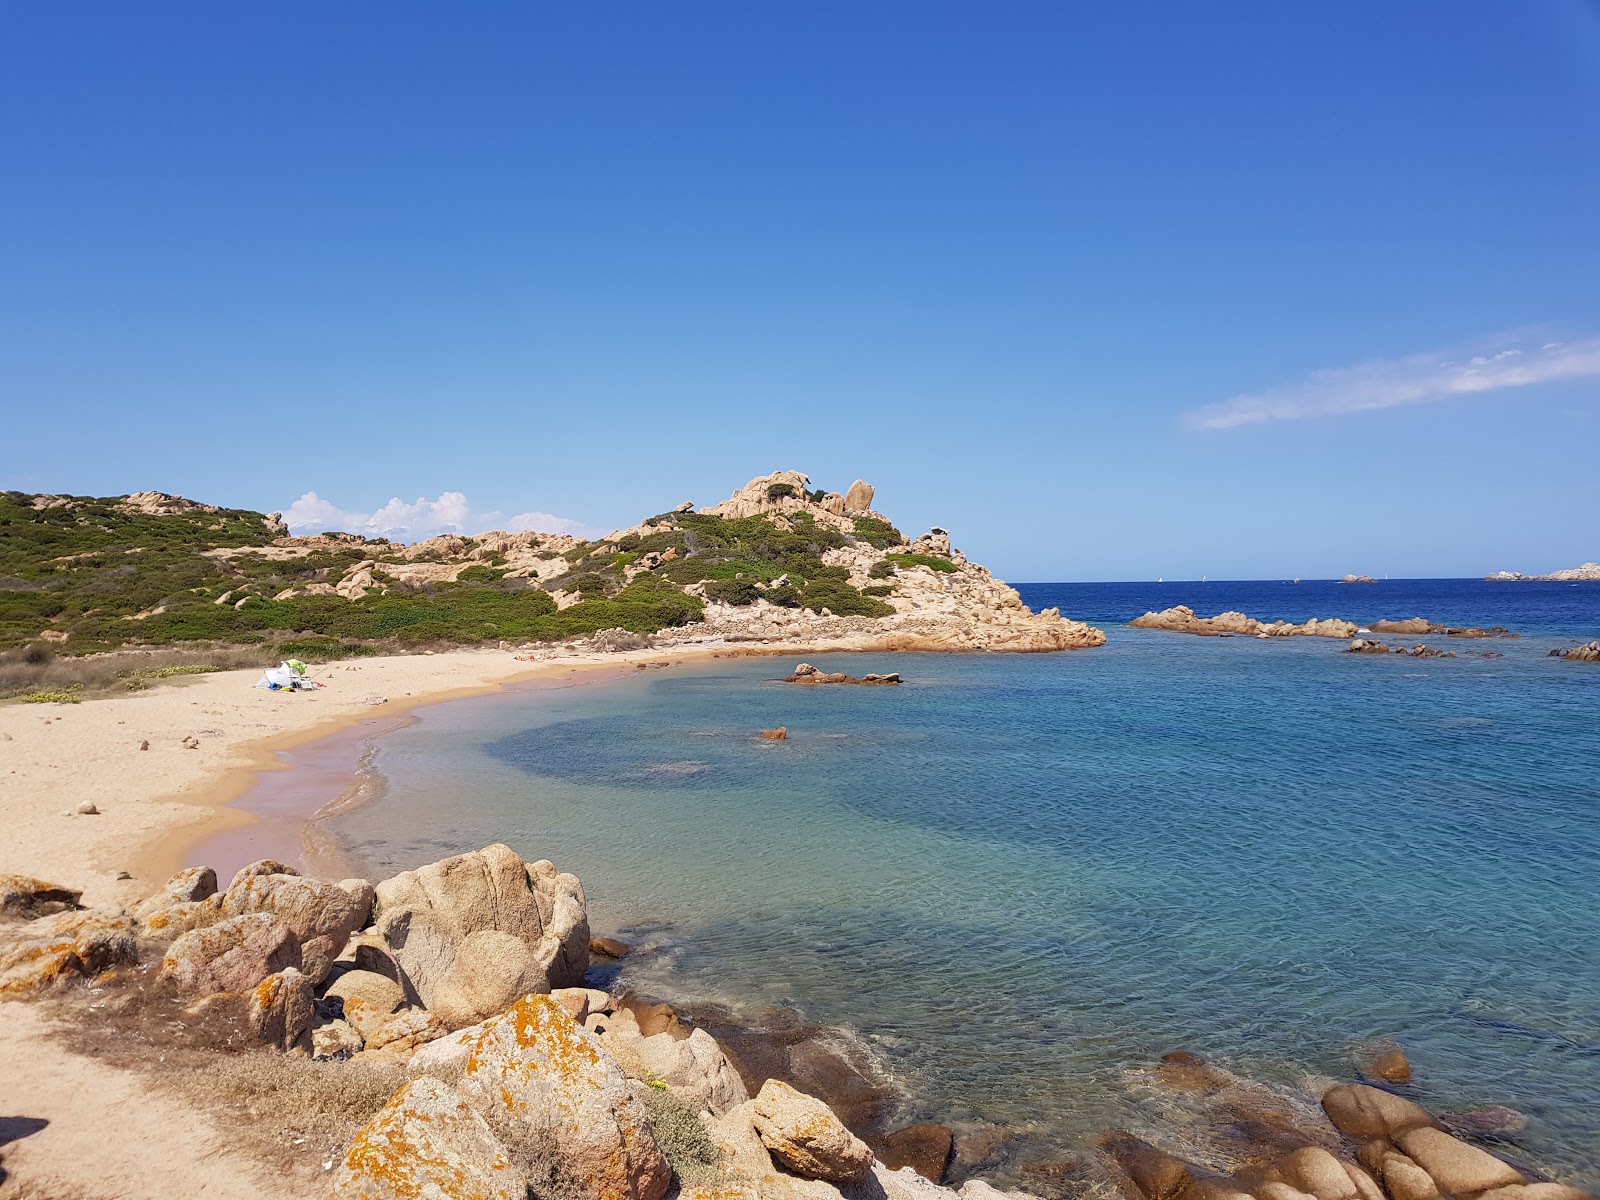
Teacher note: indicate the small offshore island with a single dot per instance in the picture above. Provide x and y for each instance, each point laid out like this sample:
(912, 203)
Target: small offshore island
(438, 1033)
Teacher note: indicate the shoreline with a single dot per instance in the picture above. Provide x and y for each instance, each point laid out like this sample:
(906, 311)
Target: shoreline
(156, 805)
(285, 824)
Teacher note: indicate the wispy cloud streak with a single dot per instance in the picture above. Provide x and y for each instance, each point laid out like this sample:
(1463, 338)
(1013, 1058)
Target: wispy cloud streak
(422, 518)
(1393, 382)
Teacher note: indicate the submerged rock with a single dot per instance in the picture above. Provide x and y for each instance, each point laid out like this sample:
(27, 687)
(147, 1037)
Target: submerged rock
(1384, 1060)
(926, 1149)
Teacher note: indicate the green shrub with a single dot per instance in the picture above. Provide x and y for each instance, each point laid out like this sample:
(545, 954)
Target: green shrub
(842, 600)
(882, 569)
(67, 695)
(878, 589)
(739, 591)
(682, 1138)
(777, 491)
(874, 532)
(943, 565)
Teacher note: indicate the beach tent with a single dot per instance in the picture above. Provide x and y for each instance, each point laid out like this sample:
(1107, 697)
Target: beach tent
(287, 676)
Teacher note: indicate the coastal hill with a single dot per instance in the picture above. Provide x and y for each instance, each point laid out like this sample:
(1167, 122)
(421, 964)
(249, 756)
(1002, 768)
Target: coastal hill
(776, 562)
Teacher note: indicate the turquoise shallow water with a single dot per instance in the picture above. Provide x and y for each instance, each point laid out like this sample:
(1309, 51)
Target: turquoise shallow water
(1016, 878)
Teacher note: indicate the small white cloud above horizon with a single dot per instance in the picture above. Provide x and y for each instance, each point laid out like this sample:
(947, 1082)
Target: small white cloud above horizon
(422, 518)
(1395, 382)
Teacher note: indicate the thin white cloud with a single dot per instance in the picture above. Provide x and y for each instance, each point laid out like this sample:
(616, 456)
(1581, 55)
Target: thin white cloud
(1392, 382)
(421, 518)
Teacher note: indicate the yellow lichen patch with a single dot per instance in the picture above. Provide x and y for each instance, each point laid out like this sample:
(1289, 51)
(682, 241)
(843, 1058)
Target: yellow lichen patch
(32, 967)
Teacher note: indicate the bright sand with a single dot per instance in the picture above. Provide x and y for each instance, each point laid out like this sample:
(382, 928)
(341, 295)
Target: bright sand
(155, 806)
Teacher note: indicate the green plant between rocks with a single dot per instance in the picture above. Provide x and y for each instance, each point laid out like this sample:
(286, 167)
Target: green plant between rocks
(942, 565)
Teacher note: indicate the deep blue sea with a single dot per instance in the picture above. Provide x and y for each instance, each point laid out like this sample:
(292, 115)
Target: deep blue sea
(1018, 879)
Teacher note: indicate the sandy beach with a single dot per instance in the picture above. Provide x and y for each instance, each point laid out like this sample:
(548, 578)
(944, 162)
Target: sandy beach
(156, 804)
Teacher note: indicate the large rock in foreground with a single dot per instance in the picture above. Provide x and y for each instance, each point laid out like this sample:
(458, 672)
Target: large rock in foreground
(322, 916)
(230, 956)
(803, 1134)
(535, 1071)
(428, 1142)
(473, 932)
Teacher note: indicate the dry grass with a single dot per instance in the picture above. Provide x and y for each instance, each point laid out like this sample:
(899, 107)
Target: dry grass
(35, 671)
(290, 1112)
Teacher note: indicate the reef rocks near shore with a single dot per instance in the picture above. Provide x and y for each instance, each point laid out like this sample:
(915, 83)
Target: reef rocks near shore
(1182, 619)
(1589, 652)
(469, 974)
(806, 673)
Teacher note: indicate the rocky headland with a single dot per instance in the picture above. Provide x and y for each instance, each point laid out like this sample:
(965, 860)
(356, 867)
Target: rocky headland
(465, 985)
(778, 561)
(1588, 572)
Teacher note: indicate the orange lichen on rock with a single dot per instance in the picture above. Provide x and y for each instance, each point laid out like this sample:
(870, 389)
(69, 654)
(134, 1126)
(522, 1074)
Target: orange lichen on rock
(428, 1142)
(536, 1066)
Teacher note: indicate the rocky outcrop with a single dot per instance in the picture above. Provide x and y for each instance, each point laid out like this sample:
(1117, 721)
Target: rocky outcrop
(802, 1133)
(535, 1072)
(1421, 625)
(188, 886)
(1361, 1112)
(231, 956)
(322, 916)
(280, 1010)
(1585, 653)
(1384, 1060)
(859, 498)
(428, 1142)
(1358, 579)
(1588, 572)
(473, 932)
(688, 1061)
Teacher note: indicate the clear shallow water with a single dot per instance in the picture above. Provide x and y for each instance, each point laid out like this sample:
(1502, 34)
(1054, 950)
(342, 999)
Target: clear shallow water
(1019, 877)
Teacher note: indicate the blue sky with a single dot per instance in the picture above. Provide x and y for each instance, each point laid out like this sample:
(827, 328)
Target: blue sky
(1111, 291)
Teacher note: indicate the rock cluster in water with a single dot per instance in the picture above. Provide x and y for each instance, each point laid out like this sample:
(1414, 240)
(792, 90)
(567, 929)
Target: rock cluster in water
(806, 673)
(1182, 619)
(1588, 572)
(1590, 652)
(523, 1081)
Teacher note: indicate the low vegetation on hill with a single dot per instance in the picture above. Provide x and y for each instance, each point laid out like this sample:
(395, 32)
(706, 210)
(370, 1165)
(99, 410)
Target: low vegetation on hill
(81, 575)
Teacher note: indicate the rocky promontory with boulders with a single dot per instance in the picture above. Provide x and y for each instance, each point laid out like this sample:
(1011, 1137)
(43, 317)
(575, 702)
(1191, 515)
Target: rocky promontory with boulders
(777, 562)
(467, 980)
